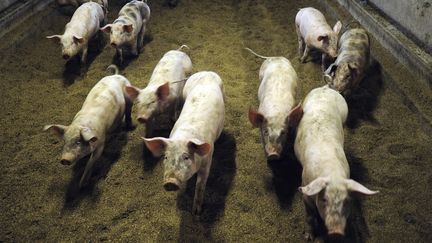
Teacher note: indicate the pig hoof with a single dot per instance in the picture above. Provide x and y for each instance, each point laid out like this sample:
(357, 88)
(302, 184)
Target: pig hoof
(308, 237)
(65, 162)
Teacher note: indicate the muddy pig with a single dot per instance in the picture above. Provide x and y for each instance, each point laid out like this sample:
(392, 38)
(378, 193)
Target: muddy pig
(128, 30)
(345, 74)
(313, 32)
(83, 26)
(326, 186)
(189, 148)
(163, 93)
(103, 110)
(276, 95)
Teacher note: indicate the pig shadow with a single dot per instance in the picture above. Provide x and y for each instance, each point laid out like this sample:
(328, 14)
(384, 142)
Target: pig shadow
(149, 160)
(286, 173)
(112, 151)
(74, 68)
(219, 183)
(363, 101)
(356, 230)
(128, 58)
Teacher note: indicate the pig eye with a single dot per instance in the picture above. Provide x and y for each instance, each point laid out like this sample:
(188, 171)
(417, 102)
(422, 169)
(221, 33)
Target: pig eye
(265, 131)
(185, 157)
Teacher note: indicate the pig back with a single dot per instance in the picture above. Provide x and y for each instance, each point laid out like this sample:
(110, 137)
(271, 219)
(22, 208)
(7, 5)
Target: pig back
(86, 20)
(278, 87)
(320, 132)
(173, 67)
(105, 103)
(203, 112)
(354, 47)
(311, 22)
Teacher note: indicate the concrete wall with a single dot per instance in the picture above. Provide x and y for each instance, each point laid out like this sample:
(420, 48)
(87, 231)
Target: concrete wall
(5, 3)
(414, 16)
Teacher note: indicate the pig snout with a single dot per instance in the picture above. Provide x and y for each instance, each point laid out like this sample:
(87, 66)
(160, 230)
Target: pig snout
(273, 156)
(113, 44)
(171, 184)
(142, 119)
(67, 159)
(66, 56)
(272, 152)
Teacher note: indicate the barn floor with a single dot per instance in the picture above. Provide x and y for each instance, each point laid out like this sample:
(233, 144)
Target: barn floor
(247, 200)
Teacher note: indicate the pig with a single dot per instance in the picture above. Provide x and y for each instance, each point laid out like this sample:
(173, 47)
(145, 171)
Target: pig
(345, 74)
(189, 148)
(313, 32)
(103, 110)
(128, 30)
(163, 93)
(83, 26)
(77, 3)
(276, 94)
(326, 186)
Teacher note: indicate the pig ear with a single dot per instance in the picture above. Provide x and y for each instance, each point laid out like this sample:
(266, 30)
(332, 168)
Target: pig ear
(106, 28)
(199, 147)
(163, 91)
(59, 130)
(255, 118)
(354, 186)
(128, 28)
(132, 91)
(295, 116)
(78, 39)
(323, 38)
(337, 27)
(56, 38)
(314, 187)
(88, 135)
(156, 145)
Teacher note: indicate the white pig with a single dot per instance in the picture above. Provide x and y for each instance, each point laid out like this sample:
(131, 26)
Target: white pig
(77, 3)
(164, 91)
(326, 186)
(314, 32)
(276, 95)
(82, 27)
(129, 28)
(189, 149)
(103, 110)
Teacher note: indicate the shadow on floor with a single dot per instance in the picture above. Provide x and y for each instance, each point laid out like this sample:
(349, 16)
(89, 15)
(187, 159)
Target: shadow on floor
(219, 183)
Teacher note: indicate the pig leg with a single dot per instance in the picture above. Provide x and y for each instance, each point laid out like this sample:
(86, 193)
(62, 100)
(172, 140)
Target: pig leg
(141, 37)
(305, 54)
(84, 54)
(310, 219)
(128, 111)
(201, 182)
(323, 62)
(120, 54)
(134, 49)
(301, 43)
(89, 166)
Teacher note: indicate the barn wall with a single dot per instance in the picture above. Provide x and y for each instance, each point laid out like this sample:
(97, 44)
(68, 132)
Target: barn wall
(412, 15)
(6, 3)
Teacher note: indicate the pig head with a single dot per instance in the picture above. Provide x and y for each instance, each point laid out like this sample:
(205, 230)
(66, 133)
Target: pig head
(150, 100)
(343, 77)
(120, 34)
(274, 131)
(331, 198)
(180, 158)
(80, 141)
(71, 44)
